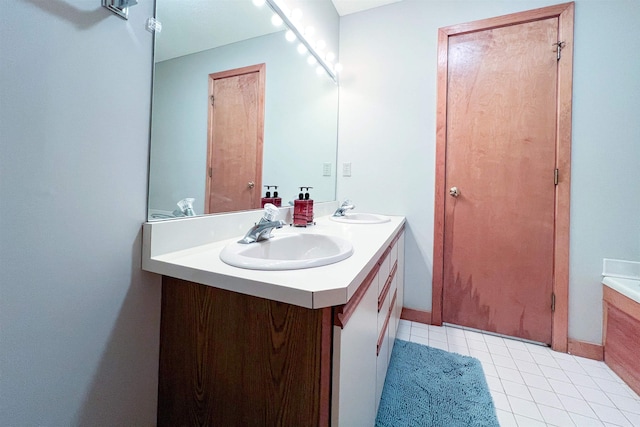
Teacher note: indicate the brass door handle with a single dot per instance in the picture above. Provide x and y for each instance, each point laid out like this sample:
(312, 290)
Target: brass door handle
(454, 191)
(251, 184)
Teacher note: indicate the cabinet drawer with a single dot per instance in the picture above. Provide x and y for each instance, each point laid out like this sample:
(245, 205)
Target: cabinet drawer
(388, 286)
(394, 320)
(385, 268)
(383, 311)
(393, 255)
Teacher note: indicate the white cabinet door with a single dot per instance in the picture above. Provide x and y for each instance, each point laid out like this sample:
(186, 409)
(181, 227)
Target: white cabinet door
(354, 365)
(382, 364)
(400, 276)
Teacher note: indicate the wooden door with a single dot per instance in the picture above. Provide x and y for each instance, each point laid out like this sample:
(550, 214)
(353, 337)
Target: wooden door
(500, 161)
(235, 139)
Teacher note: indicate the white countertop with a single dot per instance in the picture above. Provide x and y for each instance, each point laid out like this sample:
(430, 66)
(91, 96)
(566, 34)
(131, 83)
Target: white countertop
(316, 287)
(627, 287)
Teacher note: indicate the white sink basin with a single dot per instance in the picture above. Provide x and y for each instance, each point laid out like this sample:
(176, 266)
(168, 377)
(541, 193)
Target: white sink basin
(361, 218)
(288, 252)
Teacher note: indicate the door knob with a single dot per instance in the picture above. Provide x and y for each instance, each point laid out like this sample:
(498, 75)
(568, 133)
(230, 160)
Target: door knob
(251, 184)
(454, 191)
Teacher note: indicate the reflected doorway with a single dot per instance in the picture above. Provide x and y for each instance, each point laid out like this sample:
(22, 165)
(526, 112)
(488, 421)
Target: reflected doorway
(235, 137)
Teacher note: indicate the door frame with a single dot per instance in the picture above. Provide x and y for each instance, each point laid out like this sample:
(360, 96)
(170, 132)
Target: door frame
(260, 69)
(565, 14)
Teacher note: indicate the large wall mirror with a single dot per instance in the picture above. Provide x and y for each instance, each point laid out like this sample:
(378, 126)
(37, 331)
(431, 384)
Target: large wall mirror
(205, 38)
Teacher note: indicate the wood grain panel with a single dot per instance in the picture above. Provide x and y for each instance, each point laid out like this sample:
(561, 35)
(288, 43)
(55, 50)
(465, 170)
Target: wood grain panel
(560, 332)
(419, 316)
(499, 233)
(586, 349)
(235, 139)
(510, 19)
(622, 302)
(622, 346)
(440, 190)
(235, 360)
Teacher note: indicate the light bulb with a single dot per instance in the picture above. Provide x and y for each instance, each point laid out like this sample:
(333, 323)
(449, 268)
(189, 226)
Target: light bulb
(311, 60)
(330, 57)
(276, 20)
(290, 36)
(302, 49)
(296, 15)
(258, 3)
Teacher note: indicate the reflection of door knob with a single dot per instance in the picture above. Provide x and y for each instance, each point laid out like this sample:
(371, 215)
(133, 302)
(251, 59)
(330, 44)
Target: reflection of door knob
(454, 191)
(251, 184)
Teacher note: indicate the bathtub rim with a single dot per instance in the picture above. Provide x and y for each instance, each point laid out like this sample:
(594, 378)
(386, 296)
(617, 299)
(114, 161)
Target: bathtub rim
(627, 287)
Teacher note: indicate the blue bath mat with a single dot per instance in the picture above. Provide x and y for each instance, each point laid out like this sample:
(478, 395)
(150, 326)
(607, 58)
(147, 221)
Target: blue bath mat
(430, 387)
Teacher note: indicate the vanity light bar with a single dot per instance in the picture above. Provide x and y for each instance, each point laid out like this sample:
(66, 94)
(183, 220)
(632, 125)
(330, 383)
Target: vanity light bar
(289, 23)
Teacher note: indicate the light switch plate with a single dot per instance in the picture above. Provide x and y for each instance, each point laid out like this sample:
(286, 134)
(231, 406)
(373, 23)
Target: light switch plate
(326, 169)
(346, 169)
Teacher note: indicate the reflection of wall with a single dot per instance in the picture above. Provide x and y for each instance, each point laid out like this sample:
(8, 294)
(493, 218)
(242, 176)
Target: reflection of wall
(389, 83)
(300, 121)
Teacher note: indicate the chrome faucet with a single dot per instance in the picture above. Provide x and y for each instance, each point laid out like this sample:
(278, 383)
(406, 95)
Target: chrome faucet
(185, 208)
(262, 229)
(345, 206)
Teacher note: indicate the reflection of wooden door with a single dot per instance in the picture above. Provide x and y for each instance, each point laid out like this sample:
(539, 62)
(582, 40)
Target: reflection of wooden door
(235, 139)
(500, 155)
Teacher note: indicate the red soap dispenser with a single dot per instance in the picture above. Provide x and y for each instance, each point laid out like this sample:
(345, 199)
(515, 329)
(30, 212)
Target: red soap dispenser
(275, 200)
(303, 209)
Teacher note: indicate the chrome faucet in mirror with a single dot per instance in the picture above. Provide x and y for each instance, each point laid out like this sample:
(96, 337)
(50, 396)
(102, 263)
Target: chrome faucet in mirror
(345, 206)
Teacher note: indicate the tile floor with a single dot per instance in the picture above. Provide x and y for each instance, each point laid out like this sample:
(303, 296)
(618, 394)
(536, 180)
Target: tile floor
(533, 385)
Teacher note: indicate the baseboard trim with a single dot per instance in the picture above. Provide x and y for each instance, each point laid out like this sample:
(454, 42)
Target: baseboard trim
(416, 315)
(586, 349)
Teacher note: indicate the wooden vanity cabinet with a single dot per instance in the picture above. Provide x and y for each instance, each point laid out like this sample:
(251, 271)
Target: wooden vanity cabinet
(229, 359)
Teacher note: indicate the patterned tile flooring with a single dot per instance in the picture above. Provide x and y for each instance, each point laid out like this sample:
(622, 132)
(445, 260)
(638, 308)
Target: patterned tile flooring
(533, 385)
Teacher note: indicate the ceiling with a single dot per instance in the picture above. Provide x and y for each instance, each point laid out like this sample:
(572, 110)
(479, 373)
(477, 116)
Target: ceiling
(345, 7)
(206, 24)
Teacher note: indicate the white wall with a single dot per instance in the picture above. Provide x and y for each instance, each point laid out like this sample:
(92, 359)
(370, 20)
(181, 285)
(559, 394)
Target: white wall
(79, 320)
(387, 131)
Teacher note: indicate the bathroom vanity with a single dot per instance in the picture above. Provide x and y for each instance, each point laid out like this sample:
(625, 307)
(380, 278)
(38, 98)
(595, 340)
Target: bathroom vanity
(307, 347)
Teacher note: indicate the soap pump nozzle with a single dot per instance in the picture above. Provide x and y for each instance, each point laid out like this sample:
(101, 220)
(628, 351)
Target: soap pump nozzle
(304, 196)
(268, 194)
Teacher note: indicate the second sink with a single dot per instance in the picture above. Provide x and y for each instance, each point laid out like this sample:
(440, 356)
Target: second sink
(361, 218)
(288, 252)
